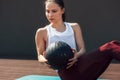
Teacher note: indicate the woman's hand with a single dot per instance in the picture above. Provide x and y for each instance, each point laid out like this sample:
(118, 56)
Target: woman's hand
(72, 60)
(42, 59)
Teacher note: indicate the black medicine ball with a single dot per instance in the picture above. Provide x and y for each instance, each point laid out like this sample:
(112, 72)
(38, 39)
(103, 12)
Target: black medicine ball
(58, 54)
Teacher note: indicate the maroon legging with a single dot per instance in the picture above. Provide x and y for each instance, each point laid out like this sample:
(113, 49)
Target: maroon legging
(91, 65)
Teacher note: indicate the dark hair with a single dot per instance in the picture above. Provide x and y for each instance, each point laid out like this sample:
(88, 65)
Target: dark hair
(60, 3)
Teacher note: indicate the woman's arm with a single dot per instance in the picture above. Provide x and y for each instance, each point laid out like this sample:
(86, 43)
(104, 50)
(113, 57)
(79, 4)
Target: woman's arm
(40, 41)
(79, 39)
(80, 44)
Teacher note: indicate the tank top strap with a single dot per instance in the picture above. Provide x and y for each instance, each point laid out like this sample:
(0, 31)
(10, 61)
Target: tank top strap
(68, 27)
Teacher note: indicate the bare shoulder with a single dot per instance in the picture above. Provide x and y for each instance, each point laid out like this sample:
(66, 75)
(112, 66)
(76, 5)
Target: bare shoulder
(75, 26)
(41, 31)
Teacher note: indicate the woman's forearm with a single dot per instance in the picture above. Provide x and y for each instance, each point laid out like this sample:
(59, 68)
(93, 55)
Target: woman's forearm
(80, 52)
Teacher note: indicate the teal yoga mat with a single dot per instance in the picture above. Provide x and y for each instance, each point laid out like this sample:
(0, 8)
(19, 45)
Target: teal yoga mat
(38, 77)
(42, 77)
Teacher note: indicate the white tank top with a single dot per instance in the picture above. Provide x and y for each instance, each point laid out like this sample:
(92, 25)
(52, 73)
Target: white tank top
(66, 36)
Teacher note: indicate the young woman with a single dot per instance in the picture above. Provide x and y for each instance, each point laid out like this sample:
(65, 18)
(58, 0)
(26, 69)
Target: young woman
(84, 66)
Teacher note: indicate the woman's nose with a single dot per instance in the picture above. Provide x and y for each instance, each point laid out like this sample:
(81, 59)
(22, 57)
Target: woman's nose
(50, 14)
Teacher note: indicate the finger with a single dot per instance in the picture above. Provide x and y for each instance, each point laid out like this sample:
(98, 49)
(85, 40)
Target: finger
(74, 51)
(72, 62)
(69, 66)
(71, 59)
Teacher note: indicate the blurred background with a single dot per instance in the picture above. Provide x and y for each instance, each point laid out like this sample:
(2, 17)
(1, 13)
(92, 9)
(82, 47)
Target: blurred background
(19, 20)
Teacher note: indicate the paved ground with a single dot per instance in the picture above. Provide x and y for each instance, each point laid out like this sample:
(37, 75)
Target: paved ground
(10, 69)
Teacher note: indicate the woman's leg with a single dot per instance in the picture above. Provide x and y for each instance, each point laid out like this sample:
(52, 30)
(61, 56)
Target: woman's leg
(91, 65)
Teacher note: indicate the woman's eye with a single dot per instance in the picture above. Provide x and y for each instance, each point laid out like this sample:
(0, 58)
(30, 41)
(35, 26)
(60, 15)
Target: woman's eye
(54, 11)
(47, 11)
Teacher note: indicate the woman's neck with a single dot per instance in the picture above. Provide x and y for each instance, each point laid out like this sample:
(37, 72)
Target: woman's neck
(59, 26)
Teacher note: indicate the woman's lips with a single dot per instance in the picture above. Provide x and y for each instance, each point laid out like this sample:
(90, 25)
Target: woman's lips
(51, 19)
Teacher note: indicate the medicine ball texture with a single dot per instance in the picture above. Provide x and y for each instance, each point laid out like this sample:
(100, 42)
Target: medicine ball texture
(58, 54)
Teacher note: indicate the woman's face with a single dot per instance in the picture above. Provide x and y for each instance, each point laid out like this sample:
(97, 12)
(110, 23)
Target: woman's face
(53, 12)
